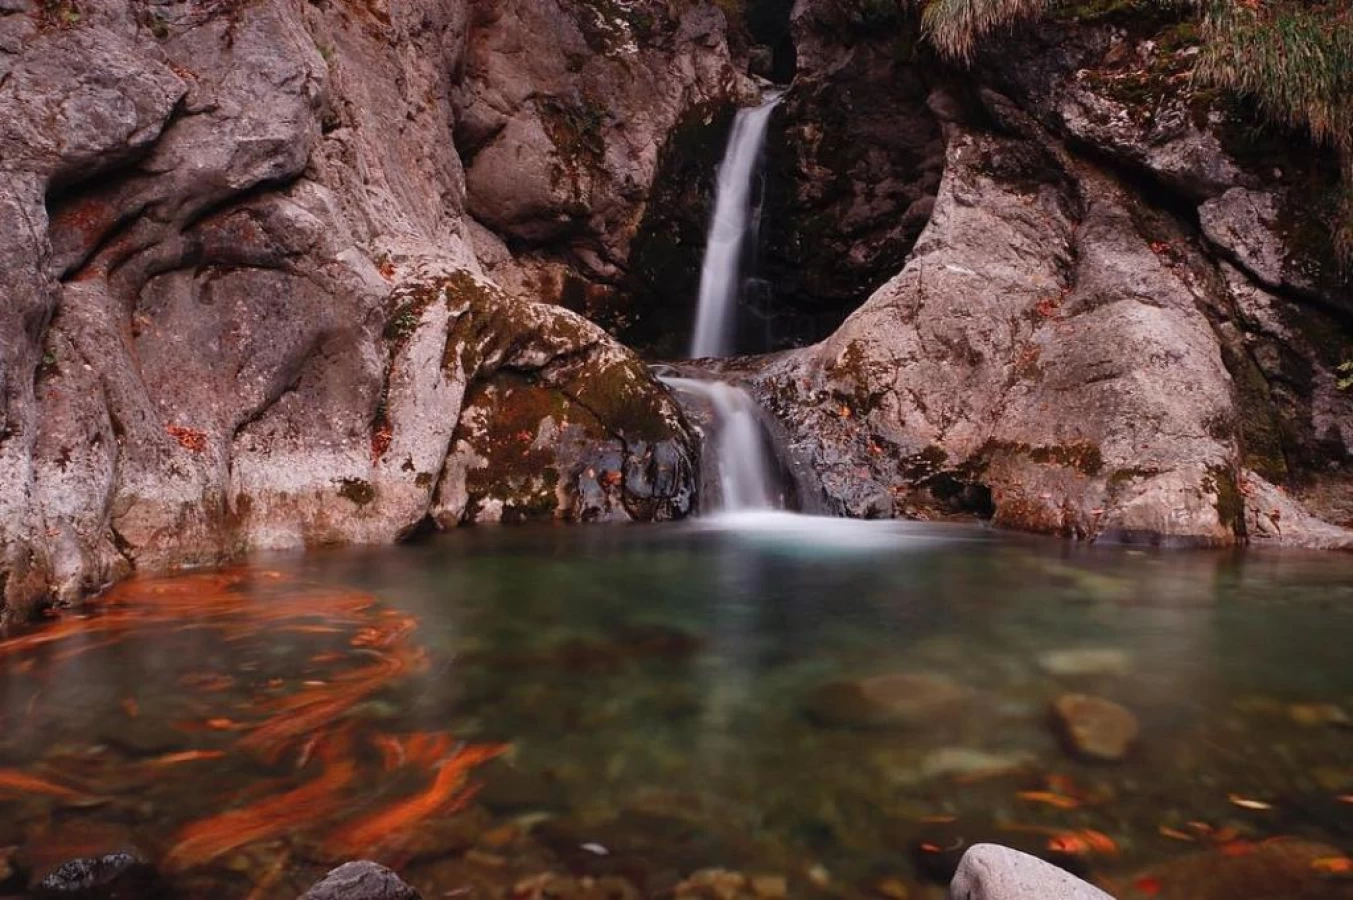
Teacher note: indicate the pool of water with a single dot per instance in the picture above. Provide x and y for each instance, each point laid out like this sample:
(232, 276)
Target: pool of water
(607, 711)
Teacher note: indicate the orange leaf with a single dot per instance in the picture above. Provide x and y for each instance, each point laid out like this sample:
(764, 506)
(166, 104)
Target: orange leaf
(1333, 865)
(444, 795)
(1061, 801)
(1148, 885)
(1169, 832)
(14, 780)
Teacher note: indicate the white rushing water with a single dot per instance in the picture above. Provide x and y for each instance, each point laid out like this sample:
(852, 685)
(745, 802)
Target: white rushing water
(721, 273)
(739, 447)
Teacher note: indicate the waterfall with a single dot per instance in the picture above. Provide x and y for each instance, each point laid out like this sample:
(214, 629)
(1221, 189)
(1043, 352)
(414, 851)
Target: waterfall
(730, 228)
(739, 460)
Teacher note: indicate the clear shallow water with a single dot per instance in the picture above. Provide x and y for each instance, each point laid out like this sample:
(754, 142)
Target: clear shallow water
(650, 690)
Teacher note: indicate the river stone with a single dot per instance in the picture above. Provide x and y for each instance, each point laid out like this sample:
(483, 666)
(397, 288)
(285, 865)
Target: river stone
(1276, 870)
(362, 880)
(1094, 728)
(904, 699)
(115, 876)
(993, 872)
(1085, 661)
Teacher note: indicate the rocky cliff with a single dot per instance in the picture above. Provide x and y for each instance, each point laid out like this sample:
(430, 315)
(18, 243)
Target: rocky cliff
(289, 272)
(1123, 317)
(258, 291)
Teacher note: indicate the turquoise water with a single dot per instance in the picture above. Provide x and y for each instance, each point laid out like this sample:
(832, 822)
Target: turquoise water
(652, 690)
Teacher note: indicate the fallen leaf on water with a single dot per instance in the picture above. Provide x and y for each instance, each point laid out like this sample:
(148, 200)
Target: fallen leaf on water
(1147, 885)
(447, 793)
(1333, 865)
(224, 724)
(1078, 843)
(206, 839)
(392, 751)
(1247, 803)
(1169, 832)
(939, 820)
(170, 759)
(13, 780)
(1061, 801)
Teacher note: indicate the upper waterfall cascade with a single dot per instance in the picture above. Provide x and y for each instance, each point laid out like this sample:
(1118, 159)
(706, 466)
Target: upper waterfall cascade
(731, 228)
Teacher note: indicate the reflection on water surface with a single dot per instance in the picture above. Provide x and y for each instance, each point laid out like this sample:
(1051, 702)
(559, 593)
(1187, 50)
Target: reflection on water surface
(612, 711)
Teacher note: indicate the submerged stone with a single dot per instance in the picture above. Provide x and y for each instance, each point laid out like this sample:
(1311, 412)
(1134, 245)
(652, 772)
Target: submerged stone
(1094, 728)
(1085, 661)
(362, 880)
(115, 876)
(1271, 870)
(905, 699)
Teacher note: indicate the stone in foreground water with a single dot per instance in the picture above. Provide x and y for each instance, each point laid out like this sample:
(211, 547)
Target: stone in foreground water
(361, 880)
(115, 876)
(1094, 728)
(993, 872)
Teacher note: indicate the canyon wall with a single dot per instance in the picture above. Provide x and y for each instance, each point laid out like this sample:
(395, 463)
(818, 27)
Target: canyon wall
(257, 289)
(291, 272)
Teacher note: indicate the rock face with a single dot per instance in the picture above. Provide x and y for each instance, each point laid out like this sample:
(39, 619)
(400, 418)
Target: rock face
(226, 226)
(993, 872)
(1064, 350)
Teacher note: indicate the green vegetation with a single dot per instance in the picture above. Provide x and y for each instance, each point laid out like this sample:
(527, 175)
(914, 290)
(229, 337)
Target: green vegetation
(1296, 60)
(1293, 58)
(59, 13)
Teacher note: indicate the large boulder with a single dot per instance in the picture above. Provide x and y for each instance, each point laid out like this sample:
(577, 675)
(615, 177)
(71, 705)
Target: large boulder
(993, 872)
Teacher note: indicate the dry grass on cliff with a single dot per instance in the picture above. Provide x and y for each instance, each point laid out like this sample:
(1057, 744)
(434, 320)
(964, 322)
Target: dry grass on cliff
(954, 27)
(1295, 58)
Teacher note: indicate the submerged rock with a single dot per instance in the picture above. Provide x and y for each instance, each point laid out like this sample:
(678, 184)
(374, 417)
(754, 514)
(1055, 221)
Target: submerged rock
(116, 876)
(361, 880)
(1272, 870)
(1094, 728)
(1086, 661)
(906, 699)
(993, 872)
